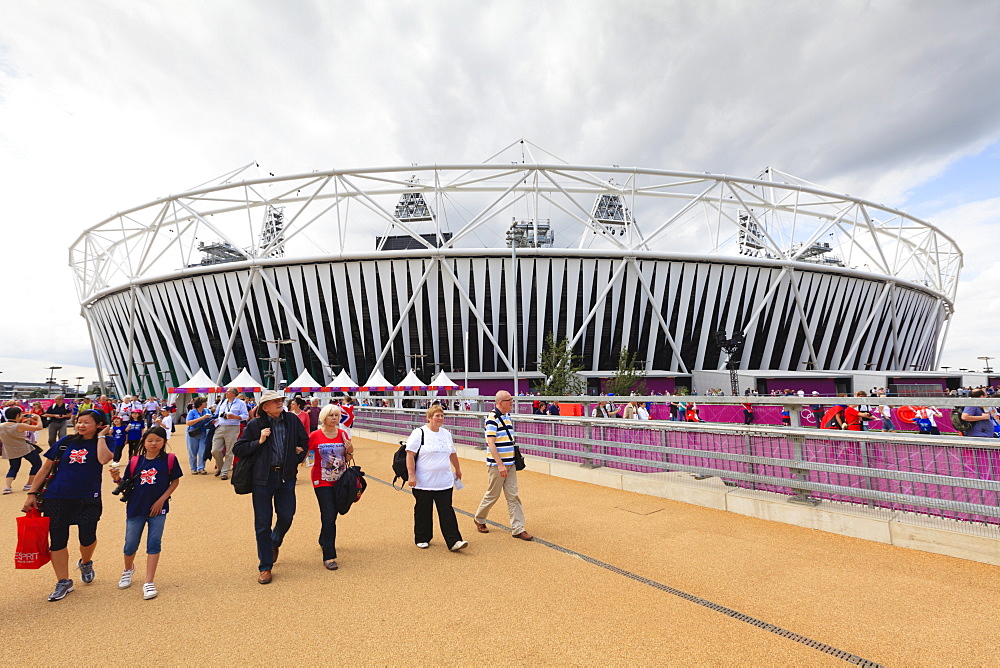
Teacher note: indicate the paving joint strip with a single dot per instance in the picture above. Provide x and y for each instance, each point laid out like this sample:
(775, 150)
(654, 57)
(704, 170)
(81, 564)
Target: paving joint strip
(705, 603)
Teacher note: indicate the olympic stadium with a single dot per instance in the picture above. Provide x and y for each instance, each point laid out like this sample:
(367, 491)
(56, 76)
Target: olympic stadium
(466, 267)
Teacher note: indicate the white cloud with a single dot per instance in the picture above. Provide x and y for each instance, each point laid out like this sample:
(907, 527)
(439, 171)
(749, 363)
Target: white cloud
(106, 105)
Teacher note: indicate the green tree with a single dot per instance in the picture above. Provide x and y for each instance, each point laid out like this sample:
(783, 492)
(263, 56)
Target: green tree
(559, 367)
(628, 378)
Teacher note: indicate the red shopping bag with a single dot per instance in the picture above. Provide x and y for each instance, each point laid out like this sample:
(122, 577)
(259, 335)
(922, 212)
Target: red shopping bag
(32, 540)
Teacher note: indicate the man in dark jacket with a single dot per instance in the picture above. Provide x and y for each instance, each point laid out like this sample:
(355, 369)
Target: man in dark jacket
(278, 443)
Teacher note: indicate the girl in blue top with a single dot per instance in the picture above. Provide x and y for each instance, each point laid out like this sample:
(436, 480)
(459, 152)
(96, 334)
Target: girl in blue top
(157, 475)
(133, 433)
(73, 495)
(117, 437)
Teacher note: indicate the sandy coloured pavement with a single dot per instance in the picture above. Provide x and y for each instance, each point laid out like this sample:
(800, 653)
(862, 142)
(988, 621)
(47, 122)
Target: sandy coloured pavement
(501, 601)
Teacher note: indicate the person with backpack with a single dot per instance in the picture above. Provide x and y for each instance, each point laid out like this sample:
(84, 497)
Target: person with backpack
(431, 459)
(73, 495)
(277, 442)
(155, 474)
(833, 418)
(330, 446)
(980, 419)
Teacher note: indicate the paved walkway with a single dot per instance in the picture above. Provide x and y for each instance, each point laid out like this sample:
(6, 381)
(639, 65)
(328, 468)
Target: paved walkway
(617, 578)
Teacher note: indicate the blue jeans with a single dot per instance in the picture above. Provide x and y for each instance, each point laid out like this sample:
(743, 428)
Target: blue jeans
(277, 497)
(196, 447)
(133, 532)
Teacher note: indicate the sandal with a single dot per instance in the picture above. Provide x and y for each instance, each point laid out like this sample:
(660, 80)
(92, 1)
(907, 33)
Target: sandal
(7, 490)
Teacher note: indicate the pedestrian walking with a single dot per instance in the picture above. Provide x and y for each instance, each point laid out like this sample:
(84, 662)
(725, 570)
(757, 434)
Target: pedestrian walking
(196, 423)
(500, 468)
(73, 496)
(133, 433)
(330, 446)
(232, 412)
(58, 415)
(278, 442)
(157, 475)
(433, 471)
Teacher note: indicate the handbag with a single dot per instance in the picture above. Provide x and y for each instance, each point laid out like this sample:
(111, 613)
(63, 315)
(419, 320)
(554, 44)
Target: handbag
(242, 477)
(32, 540)
(40, 496)
(519, 464)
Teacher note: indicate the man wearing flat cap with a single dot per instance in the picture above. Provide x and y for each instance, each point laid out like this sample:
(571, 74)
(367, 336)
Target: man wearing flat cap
(278, 442)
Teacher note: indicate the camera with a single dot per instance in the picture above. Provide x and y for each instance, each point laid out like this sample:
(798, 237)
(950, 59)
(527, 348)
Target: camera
(124, 488)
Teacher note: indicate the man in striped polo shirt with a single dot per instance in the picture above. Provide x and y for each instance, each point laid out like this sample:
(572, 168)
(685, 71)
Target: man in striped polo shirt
(500, 448)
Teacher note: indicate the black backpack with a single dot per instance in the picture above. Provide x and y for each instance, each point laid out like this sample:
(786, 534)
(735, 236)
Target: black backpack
(399, 470)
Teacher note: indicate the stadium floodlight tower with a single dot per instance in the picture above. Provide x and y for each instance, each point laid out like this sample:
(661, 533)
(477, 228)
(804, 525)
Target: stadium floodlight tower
(612, 214)
(272, 234)
(530, 234)
(412, 207)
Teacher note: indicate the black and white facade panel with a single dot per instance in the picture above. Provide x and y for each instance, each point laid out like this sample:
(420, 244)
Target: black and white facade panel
(466, 268)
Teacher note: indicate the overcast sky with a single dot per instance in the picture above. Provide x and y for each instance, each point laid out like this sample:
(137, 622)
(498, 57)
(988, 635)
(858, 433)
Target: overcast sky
(107, 105)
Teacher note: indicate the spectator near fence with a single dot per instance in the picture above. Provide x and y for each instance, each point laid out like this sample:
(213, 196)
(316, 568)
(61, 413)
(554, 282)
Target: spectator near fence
(500, 468)
(982, 420)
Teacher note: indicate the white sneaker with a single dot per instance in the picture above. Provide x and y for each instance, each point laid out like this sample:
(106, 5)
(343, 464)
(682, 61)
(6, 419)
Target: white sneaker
(423, 546)
(149, 591)
(126, 579)
(460, 545)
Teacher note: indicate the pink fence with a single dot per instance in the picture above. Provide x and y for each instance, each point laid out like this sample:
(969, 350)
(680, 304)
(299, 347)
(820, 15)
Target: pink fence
(641, 442)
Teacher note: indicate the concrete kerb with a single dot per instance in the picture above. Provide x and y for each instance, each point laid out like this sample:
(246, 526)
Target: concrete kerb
(898, 528)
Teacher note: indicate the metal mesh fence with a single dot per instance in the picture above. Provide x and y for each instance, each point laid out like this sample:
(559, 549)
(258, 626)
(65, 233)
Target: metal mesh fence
(956, 480)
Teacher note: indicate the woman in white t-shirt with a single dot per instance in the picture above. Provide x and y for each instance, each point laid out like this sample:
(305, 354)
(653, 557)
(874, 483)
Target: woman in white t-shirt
(430, 458)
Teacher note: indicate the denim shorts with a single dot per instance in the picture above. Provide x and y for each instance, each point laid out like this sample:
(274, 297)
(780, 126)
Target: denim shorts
(133, 532)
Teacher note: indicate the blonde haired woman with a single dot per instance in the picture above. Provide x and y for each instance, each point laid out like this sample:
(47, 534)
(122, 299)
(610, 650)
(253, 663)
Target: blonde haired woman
(430, 458)
(330, 446)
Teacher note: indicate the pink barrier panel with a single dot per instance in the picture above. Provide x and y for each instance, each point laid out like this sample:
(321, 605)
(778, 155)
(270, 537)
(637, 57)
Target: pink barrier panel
(619, 441)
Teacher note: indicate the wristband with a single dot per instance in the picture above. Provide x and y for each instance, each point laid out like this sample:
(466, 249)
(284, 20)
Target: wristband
(32, 493)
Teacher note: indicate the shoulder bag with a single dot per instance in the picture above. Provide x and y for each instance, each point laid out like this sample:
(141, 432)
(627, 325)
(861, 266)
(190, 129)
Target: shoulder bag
(242, 477)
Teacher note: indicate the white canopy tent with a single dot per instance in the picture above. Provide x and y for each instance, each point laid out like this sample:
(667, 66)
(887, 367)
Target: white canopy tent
(378, 383)
(305, 383)
(200, 383)
(244, 382)
(344, 383)
(411, 382)
(443, 382)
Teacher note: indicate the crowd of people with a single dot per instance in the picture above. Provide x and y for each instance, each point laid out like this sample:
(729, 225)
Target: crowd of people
(65, 480)
(278, 437)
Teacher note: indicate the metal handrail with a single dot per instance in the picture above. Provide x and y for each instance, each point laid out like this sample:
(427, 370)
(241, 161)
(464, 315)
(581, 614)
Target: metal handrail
(797, 466)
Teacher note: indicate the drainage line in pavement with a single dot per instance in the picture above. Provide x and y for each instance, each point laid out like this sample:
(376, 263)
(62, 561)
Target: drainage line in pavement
(729, 612)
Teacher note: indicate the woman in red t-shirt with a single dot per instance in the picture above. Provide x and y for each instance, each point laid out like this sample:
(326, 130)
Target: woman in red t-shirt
(330, 446)
(297, 406)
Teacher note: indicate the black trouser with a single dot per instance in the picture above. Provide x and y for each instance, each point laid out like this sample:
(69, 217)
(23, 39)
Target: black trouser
(423, 519)
(747, 417)
(328, 521)
(33, 458)
(59, 536)
(133, 448)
